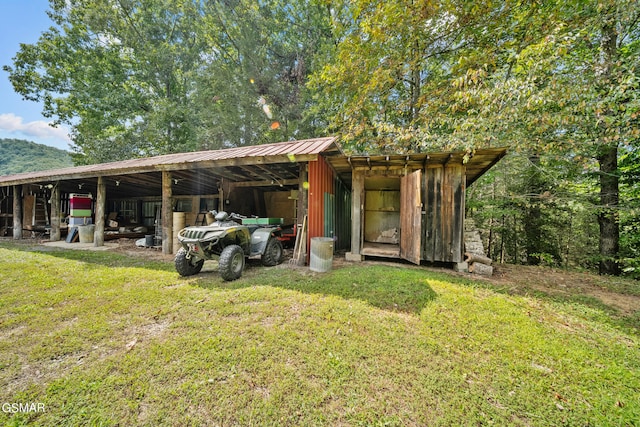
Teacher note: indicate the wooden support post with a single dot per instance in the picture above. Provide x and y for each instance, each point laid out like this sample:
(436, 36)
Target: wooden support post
(303, 194)
(101, 204)
(17, 212)
(357, 207)
(55, 213)
(300, 247)
(221, 195)
(303, 212)
(167, 213)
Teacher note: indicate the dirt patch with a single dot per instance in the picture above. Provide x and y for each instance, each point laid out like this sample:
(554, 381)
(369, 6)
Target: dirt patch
(123, 246)
(128, 247)
(556, 282)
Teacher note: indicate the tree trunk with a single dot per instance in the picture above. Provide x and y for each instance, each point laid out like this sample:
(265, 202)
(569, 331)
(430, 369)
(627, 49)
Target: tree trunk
(167, 213)
(472, 258)
(532, 218)
(503, 231)
(100, 206)
(490, 240)
(608, 216)
(55, 213)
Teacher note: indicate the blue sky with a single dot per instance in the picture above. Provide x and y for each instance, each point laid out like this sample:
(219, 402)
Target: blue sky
(22, 21)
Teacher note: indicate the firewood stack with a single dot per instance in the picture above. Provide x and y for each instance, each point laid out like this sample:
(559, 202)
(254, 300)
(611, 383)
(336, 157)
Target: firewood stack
(474, 254)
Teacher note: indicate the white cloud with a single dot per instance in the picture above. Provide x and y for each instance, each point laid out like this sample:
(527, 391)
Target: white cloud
(39, 129)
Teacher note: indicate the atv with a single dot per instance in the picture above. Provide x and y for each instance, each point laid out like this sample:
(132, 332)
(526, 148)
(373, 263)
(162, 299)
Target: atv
(228, 241)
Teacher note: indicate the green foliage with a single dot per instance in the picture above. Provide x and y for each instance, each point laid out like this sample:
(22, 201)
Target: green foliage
(144, 77)
(630, 212)
(252, 88)
(559, 77)
(375, 86)
(116, 73)
(18, 156)
(564, 232)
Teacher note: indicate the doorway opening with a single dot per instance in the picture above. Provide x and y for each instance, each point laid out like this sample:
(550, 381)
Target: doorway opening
(382, 216)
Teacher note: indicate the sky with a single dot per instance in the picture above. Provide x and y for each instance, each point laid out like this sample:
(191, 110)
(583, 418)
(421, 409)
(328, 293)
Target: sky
(22, 21)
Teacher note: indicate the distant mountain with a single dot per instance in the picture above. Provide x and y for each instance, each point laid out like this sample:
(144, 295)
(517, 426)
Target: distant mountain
(18, 155)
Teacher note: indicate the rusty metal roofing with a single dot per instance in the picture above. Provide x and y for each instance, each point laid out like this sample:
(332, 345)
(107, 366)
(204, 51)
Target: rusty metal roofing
(290, 151)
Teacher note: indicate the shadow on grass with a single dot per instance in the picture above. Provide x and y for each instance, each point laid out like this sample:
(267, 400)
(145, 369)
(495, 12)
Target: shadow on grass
(400, 289)
(389, 288)
(103, 258)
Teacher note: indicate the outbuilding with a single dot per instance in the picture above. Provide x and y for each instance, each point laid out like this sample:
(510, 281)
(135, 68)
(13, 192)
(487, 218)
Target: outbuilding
(408, 207)
(412, 206)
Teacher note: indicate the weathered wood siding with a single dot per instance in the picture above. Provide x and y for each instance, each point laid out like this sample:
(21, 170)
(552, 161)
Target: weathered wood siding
(411, 217)
(444, 213)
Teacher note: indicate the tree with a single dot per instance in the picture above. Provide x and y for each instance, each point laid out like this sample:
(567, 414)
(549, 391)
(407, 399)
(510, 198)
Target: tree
(252, 88)
(581, 81)
(630, 210)
(17, 156)
(374, 87)
(144, 77)
(118, 72)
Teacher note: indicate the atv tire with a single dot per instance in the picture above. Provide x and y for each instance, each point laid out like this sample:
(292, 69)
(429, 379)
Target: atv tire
(231, 262)
(272, 253)
(187, 267)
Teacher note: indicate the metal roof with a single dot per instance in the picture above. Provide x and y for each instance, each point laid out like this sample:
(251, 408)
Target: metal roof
(282, 152)
(270, 166)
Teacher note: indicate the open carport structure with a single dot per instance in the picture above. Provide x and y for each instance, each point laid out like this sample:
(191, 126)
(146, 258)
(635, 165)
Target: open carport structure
(288, 180)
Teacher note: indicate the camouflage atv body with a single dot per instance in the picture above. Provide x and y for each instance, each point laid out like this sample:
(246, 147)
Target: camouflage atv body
(229, 242)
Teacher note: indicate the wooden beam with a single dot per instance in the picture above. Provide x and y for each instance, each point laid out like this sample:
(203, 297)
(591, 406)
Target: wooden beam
(17, 212)
(94, 170)
(101, 203)
(425, 161)
(55, 213)
(241, 161)
(448, 159)
(167, 214)
(491, 164)
(302, 212)
(270, 174)
(268, 183)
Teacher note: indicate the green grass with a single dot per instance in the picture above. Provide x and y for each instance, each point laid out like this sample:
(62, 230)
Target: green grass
(103, 339)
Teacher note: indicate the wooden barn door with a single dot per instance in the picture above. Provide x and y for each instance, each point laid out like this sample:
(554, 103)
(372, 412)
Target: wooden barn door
(411, 217)
(444, 207)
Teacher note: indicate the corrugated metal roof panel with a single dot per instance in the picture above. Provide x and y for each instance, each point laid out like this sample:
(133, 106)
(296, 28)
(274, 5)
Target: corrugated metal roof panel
(302, 147)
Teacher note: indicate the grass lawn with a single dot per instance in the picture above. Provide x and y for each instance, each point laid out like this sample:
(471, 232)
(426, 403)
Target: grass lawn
(99, 338)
